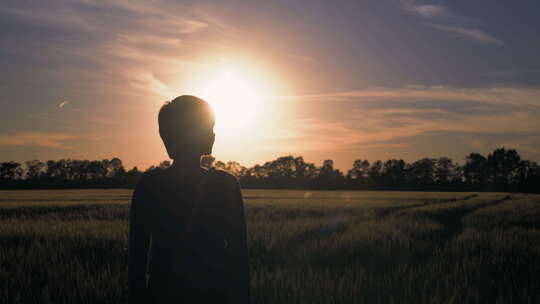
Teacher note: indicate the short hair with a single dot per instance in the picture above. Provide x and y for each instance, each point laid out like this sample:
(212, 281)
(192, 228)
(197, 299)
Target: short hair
(184, 115)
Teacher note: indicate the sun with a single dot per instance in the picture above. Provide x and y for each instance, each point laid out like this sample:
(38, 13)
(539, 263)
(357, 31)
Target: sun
(247, 95)
(236, 98)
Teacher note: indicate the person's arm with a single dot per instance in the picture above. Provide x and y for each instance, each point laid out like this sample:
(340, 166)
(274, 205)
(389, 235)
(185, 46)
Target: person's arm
(239, 279)
(139, 243)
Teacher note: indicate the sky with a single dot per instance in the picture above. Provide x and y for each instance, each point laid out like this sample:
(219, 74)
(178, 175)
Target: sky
(339, 80)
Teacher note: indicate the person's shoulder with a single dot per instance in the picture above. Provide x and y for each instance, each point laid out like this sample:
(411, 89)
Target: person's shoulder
(223, 177)
(227, 185)
(150, 176)
(153, 172)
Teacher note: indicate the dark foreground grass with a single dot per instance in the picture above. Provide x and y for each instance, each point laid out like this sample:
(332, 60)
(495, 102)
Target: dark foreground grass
(305, 247)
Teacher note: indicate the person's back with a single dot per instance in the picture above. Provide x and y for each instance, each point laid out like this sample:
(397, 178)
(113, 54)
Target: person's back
(192, 220)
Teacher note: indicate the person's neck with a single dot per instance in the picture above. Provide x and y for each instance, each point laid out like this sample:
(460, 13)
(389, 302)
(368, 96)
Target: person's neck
(186, 164)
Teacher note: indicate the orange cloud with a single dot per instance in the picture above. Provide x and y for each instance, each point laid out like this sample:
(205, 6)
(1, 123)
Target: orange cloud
(50, 140)
(383, 116)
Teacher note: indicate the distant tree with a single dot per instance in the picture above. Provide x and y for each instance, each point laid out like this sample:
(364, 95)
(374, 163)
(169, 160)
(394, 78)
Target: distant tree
(235, 169)
(116, 168)
(446, 171)
(74, 170)
(475, 170)
(133, 171)
(34, 169)
(329, 178)
(375, 171)
(503, 168)
(279, 172)
(105, 168)
(231, 167)
(304, 169)
(282, 167)
(207, 161)
(394, 174)
(10, 171)
(422, 172)
(220, 165)
(528, 178)
(98, 169)
(327, 169)
(359, 171)
(50, 171)
(257, 172)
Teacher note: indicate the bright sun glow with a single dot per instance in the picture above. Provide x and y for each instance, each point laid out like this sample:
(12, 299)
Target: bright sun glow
(236, 100)
(242, 93)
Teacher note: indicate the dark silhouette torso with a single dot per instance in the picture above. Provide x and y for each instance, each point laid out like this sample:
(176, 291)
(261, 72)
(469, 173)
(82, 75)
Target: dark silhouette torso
(198, 244)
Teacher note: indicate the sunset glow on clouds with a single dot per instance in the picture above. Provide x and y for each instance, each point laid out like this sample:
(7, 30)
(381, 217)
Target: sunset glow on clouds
(381, 79)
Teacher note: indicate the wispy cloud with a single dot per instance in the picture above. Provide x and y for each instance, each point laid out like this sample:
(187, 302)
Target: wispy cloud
(101, 120)
(511, 96)
(449, 22)
(147, 81)
(392, 117)
(475, 34)
(49, 140)
(133, 40)
(426, 10)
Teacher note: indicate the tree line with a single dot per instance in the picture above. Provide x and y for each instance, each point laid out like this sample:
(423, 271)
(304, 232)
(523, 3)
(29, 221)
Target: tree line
(502, 170)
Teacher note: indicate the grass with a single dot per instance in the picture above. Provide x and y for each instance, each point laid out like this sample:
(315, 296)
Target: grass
(305, 246)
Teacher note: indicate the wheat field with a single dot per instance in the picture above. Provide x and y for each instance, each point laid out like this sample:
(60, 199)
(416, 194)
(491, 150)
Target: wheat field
(69, 246)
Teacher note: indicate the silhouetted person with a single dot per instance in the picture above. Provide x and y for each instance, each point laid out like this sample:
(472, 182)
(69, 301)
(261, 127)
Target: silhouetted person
(187, 241)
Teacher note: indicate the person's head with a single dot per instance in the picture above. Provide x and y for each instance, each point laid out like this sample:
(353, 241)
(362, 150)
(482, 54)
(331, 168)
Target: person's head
(186, 126)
